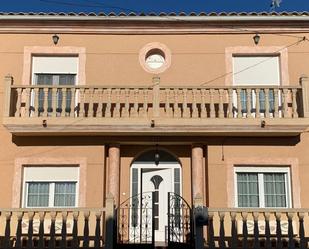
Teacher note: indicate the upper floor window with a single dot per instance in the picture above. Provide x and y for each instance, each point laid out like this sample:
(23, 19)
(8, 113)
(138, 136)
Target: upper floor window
(54, 71)
(256, 70)
(259, 71)
(264, 187)
(50, 186)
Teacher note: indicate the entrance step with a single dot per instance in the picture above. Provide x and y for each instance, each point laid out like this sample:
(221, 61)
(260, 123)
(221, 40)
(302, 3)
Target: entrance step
(160, 245)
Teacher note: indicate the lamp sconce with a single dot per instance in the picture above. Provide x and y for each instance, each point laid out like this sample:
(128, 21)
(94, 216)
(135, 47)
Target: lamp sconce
(55, 39)
(256, 39)
(157, 156)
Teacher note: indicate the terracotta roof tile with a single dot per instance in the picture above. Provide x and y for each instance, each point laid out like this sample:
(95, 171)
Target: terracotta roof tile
(161, 14)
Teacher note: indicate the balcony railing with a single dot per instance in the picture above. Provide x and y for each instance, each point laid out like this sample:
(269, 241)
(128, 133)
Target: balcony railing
(192, 104)
(57, 228)
(258, 228)
(87, 228)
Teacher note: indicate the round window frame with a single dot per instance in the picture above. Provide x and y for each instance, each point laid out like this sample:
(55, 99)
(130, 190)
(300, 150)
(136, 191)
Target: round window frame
(159, 48)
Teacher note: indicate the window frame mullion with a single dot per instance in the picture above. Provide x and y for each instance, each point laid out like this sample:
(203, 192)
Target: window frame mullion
(261, 190)
(287, 189)
(51, 200)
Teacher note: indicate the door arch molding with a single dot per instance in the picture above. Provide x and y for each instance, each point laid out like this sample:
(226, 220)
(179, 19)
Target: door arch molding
(153, 149)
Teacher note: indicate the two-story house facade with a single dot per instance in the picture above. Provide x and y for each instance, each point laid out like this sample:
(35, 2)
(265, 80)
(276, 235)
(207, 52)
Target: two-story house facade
(154, 113)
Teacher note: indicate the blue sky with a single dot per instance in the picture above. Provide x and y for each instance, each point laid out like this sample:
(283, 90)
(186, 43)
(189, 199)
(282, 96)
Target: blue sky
(148, 6)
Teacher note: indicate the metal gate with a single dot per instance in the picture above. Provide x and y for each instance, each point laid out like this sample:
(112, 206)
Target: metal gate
(135, 222)
(180, 223)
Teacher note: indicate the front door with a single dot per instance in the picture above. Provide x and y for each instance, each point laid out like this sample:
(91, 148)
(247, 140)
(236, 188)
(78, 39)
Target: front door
(161, 182)
(146, 178)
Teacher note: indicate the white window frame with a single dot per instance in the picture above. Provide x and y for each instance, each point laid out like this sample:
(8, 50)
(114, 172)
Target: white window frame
(43, 70)
(52, 183)
(33, 74)
(267, 57)
(261, 84)
(260, 171)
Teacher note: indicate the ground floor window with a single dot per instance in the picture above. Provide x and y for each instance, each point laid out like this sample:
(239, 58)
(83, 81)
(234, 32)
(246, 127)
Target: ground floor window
(50, 186)
(265, 187)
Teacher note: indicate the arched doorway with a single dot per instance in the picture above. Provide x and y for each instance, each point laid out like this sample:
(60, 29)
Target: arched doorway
(156, 171)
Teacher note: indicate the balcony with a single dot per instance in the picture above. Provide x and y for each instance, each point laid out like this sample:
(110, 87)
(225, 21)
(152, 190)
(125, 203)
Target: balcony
(258, 228)
(84, 228)
(154, 110)
(57, 228)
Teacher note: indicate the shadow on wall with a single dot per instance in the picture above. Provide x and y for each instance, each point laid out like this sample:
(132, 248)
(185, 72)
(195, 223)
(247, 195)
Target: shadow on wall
(27, 234)
(148, 140)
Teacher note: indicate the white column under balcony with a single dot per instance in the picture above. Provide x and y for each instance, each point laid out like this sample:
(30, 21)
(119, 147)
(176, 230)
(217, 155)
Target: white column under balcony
(197, 158)
(113, 177)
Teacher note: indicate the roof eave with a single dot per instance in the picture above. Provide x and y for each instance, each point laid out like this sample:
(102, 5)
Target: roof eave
(157, 18)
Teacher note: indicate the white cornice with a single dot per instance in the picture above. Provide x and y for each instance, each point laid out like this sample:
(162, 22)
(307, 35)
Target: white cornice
(116, 30)
(45, 24)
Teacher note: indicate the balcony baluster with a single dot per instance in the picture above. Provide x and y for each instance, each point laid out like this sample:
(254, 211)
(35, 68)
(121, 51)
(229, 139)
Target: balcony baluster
(135, 111)
(91, 94)
(54, 101)
(285, 103)
(145, 104)
(18, 243)
(75, 241)
(118, 105)
(276, 103)
(267, 107)
(30, 230)
(294, 103)
(86, 229)
(7, 242)
(72, 103)
(108, 110)
(239, 107)
(249, 114)
(257, 103)
(221, 105)
(212, 104)
(64, 229)
(203, 103)
(126, 110)
(195, 113)
(267, 231)
(36, 101)
(167, 103)
(41, 229)
(63, 102)
(230, 104)
(185, 108)
(18, 103)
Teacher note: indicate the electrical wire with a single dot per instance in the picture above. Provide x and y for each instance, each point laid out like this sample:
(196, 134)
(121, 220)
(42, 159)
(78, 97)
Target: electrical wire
(94, 4)
(254, 65)
(175, 18)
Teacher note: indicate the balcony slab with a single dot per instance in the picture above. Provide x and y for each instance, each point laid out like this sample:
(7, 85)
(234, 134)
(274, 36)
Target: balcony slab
(66, 126)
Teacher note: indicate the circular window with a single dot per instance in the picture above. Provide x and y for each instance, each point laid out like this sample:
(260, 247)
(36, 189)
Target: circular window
(155, 57)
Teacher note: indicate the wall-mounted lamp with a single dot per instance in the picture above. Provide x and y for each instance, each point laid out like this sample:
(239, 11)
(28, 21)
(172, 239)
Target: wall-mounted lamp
(256, 39)
(55, 39)
(44, 123)
(157, 156)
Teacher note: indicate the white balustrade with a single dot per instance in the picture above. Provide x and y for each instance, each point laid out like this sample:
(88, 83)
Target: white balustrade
(146, 102)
